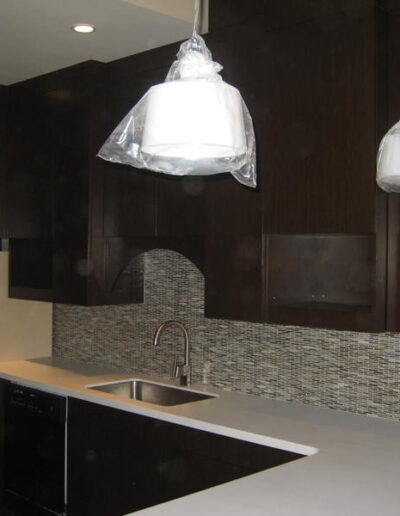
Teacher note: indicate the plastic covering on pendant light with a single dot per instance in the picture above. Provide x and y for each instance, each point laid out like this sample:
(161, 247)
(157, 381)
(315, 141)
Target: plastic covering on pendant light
(192, 124)
(388, 163)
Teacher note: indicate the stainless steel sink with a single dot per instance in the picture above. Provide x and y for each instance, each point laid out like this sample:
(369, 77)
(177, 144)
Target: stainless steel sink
(151, 392)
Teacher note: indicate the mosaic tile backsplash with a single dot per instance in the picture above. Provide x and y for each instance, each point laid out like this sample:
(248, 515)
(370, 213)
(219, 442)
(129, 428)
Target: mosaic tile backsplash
(357, 372)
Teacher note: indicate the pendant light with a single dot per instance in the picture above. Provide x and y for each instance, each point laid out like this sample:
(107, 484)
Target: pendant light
(388, 166)
(192, 124)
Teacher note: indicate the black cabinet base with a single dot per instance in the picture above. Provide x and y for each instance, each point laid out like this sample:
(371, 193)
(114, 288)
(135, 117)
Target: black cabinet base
(119, 462)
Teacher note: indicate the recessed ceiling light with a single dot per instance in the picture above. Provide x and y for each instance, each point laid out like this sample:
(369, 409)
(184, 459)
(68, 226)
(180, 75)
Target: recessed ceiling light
(83, 28)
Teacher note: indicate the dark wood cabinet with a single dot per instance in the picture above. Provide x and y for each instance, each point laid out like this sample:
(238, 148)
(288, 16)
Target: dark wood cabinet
(278, 15)
(144, 203)
(32, 442)
(130, 211)
(309, 246)
(30, 160)
(155, 209)
(111, 468)
(56, 193)
(393, 213)
(324, 220)
(80, 225)
(119, 462)
(316, 243)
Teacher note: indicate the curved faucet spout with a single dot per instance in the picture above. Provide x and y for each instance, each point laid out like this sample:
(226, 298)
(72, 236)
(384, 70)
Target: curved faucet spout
(185, 369)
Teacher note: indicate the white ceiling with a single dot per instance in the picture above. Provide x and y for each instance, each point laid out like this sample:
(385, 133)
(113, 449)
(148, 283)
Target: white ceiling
(36, 35)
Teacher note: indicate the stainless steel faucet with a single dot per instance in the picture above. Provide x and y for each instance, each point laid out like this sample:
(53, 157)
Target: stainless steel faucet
(181, 371)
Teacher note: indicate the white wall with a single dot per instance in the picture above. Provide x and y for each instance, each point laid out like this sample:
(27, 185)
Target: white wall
(25, 326)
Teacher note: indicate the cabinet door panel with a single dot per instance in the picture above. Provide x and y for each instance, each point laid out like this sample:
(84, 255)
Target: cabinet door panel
(71, 209)
(321, 182)
(57, 182)
(233, 279)
(111, 468)
(316, 92)
(29, 161)
(120, 462)
(393, 283)
(129, 202)
(130, 194)
(77, 96)
(143, 203)
(180, 206)
(322, 140)
(233, 251)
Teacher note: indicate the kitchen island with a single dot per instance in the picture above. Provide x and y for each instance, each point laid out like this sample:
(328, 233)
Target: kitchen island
(350, 465)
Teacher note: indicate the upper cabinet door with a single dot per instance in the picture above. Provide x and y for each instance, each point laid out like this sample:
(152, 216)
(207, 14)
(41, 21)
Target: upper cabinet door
(52, 125)
(29, 160)
(320, 148)
(130, 194)
(324, 216)
(78, 96)
(155, 209)
(141, 203)
(233, 241)
(180, 206)
(309, 247)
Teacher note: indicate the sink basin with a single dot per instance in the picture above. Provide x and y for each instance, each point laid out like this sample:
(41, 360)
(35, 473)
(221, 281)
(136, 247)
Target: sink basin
(151, 392)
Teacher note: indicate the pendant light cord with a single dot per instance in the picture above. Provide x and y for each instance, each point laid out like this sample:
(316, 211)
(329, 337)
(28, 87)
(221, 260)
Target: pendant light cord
(196, 22)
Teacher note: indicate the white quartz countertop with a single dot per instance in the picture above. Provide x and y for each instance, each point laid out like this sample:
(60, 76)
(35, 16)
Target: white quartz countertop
(352, 465)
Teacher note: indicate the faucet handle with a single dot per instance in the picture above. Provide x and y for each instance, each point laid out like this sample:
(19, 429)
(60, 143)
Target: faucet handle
(181, 371)
(176, 366)
(185, 377)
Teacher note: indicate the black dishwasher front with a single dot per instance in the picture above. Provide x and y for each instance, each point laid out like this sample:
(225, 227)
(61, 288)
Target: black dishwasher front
(34, 471)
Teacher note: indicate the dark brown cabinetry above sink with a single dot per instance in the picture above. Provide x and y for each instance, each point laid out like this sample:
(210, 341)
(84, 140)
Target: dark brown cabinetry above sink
(312, 245)
(153, 209)
(309, 248)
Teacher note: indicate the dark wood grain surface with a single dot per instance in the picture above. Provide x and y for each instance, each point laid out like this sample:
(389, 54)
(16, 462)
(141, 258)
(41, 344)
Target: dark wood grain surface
(320, 81)
(393, 214)
(120, 462)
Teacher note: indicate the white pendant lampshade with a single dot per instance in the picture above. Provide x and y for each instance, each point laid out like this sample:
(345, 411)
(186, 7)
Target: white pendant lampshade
(178, 119)
(388, 167)
(192, 124)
